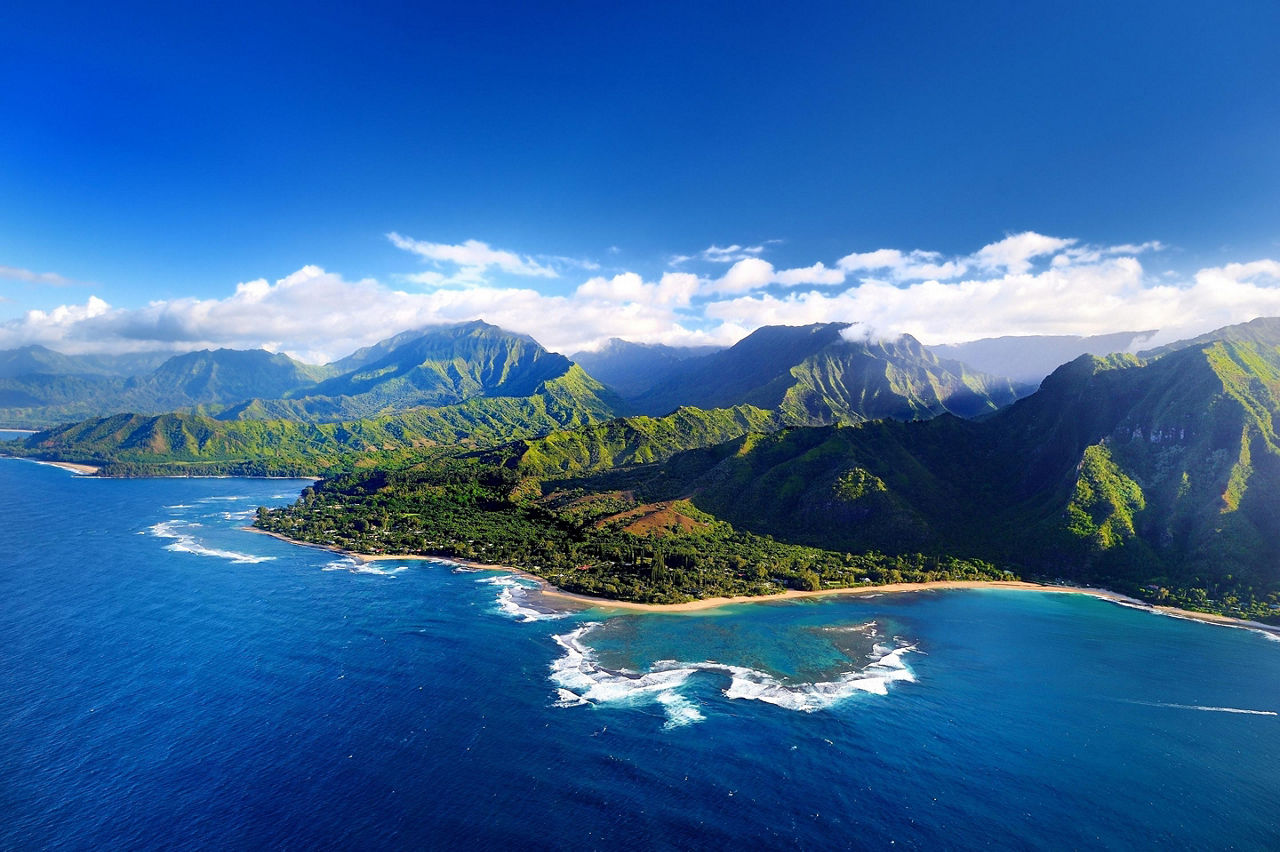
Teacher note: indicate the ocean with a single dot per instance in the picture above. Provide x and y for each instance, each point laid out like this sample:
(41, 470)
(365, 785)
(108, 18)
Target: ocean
(172, 680)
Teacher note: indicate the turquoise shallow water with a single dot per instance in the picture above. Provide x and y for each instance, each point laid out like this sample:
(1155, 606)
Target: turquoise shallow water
(171, 680)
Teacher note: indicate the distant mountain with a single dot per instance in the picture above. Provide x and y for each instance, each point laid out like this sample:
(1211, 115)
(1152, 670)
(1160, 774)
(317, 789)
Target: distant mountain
(40, 360)
(468, 384)
(814, 374)
(191, 443)
(223, 376)
(1028, 359)
(218, 378)
(1263, 330)
(633, 368)
(434, 367)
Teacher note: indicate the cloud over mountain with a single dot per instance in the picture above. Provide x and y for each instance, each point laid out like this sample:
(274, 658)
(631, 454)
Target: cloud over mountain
(1025, 283)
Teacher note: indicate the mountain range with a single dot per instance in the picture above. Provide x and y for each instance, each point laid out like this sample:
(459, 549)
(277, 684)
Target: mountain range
(823, 373)
(1161, 472)
(1157, 470)
(1027, 359)
(812, 374)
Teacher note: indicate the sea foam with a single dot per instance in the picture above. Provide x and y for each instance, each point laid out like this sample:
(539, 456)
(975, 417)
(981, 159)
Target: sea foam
(184, 542)
(355, 566)
(513, 599)
(581, 679)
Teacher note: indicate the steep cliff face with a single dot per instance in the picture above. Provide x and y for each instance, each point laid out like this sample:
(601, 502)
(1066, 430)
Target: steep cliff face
(815, 374)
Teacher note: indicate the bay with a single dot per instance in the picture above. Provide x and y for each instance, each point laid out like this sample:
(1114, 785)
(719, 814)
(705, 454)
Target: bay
(174, 680)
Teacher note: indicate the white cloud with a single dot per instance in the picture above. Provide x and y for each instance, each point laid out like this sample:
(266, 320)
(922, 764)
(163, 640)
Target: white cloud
(1110, 295)
(1135, 249)
(472, 259)
(674, 288)
(730, 254)
(752, 273)
(816, 274)
(911, 266)
(319, 316)
(15, 273)
(746, 275)
(1028, 284)
(1014, 253)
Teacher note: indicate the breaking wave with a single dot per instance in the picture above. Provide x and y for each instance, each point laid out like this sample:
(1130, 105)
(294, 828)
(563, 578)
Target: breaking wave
(238, 516)
(580, 679)
(513, 599)
(183, 542)
(355, 566)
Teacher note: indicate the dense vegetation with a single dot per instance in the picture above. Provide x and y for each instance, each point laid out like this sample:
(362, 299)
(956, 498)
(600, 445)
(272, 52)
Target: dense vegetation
(1157, 477)
(1162, 480)
(597, 543)
(210, 378)
(436, 367)
(188, 444)
(816, 374)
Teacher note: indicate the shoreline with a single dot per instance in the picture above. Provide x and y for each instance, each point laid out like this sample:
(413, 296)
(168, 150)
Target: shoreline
(554, 593)
(78, 469)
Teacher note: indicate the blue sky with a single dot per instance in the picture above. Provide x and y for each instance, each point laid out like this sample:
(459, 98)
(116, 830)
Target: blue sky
(153, 154)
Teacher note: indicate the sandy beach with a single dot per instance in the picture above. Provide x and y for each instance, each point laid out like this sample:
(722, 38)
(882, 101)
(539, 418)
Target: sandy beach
(553, 594)
(81, 469)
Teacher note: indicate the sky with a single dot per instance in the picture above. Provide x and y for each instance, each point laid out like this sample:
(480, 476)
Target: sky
(314, 177)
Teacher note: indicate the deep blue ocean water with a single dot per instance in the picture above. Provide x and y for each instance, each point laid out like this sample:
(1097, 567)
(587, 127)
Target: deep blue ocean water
(171, 680)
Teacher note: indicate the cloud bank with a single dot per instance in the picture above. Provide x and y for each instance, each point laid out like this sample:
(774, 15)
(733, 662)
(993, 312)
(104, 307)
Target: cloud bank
(1025, 283)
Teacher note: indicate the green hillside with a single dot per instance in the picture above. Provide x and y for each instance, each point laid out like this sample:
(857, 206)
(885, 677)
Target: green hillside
(1159, 478)
(132, 444)
(211, 378)
(1163, 475)
(815, 374)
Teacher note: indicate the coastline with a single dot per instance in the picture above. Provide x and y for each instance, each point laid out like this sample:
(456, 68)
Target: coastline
(401, 557)
(78, 469)
(554, 593)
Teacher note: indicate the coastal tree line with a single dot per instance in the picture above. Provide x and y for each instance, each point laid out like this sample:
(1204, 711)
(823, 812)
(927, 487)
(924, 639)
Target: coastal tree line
(458, 509)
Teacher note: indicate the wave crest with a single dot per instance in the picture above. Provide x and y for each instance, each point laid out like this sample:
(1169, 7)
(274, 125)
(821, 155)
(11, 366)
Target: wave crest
(513, 599)
(580, 679)
(183, 542)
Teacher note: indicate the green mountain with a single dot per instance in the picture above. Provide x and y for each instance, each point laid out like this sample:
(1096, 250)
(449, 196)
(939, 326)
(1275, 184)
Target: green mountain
(1027, 359)
(815, 374)
(435, 367)
(216, 378)
(1165, 474)
(193, 443)
(1263, 330)
(627, 441)
(1160, 478)
(631, 369)
(36, 360)
(221, 376)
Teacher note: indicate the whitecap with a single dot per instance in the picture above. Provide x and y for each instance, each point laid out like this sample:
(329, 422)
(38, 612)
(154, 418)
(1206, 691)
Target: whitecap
(513, 599)
(238, 516)
(220, 499)
(186, 543)
(578, 673)
(355, 566)
(680, 710)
